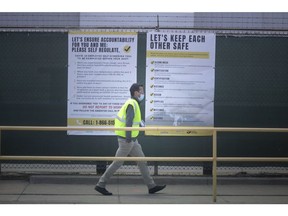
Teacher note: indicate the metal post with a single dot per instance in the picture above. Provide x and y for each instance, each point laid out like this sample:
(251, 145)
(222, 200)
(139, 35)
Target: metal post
(101, 167)
(214, 165)
(0, 150)
(156, 168)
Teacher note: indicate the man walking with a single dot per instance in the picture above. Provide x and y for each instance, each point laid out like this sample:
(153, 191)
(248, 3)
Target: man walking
(129, 116)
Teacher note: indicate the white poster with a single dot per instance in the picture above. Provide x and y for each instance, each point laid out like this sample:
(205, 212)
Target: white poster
(180, 78)
(102, 67)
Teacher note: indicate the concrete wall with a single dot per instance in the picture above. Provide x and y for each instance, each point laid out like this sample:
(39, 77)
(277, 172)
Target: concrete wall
(257, 21)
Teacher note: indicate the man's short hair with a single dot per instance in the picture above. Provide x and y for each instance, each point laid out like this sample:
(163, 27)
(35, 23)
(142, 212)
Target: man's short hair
(133, 88)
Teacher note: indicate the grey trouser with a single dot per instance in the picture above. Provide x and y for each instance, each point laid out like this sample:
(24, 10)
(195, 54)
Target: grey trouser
(133, 149)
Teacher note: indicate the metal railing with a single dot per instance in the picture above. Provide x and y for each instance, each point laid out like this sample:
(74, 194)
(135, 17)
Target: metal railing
(214, 159)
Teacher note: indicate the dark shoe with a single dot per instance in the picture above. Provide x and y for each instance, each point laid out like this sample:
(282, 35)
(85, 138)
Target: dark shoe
(156, 189)
(102, 191)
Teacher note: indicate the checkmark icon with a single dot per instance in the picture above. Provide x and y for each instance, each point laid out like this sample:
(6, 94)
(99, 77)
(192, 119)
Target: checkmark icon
(127, 48)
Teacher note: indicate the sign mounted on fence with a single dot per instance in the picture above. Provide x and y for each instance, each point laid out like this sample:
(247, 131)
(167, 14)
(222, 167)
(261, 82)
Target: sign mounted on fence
(180, 76)
(102, 66)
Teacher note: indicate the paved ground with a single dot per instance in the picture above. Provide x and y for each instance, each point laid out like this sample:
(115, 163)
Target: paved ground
(130, 190)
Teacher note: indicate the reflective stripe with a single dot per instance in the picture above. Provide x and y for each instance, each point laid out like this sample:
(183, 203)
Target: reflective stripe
(121, 119)
(124, 121)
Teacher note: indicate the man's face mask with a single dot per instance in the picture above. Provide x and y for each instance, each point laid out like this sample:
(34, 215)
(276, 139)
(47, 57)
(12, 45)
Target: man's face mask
(141, 97)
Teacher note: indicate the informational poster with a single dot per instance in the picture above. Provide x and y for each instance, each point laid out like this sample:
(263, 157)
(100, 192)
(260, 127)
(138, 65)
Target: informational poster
(102, 67)
(180, 76)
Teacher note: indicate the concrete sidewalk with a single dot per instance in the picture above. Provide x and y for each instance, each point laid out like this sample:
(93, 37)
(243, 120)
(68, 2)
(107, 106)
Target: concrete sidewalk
(131, 190)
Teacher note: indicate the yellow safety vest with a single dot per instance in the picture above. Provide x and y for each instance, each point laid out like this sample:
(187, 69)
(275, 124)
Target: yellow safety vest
(120, 120)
